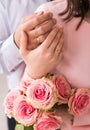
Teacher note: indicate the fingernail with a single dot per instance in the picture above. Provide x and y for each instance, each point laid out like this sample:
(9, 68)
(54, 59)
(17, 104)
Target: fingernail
(39, 13)
(50, 14)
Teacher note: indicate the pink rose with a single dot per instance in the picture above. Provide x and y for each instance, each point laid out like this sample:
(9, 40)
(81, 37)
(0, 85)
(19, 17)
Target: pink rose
(9, 100)
(48, 122)
(25, 83)
(23, 112)
(79, 102)
(63, 87)
(42, 94)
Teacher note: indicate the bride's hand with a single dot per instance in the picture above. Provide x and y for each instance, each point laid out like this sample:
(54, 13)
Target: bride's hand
(45, 57)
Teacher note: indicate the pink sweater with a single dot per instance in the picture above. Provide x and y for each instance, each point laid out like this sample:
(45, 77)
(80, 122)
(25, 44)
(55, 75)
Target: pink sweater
(76, 61)
(75, 65)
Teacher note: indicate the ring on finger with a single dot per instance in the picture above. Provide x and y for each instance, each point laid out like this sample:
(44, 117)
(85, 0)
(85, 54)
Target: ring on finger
(37, 40)
(36, 33)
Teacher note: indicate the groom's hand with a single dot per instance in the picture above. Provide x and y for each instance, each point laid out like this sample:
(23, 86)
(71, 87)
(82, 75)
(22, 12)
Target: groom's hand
(36, 26)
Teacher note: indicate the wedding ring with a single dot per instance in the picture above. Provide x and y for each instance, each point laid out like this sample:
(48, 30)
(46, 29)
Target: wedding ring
(37, 40)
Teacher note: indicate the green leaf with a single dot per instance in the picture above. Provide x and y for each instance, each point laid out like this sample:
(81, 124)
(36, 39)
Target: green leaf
(28, 128)
(21, 127)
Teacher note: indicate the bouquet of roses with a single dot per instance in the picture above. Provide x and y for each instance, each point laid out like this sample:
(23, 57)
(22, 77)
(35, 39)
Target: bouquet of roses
(32, 104)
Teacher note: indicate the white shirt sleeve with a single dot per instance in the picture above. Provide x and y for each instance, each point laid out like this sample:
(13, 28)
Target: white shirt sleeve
(9, 53)
(11, 13)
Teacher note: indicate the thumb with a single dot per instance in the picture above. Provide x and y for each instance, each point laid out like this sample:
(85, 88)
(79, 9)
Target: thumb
(23, 43)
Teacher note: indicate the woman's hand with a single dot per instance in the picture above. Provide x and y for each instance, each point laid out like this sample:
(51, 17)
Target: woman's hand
(45, 57)
(37, 26)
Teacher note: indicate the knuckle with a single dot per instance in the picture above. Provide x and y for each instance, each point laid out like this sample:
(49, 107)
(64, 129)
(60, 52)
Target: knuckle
(22, 27)
(49, 56)
(42, 29)
(37, 20)
(48, 15)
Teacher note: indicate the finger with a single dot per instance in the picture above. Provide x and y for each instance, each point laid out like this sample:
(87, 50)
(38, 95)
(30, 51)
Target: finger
(31, 16)
(59, 47)
(60, 56)
(37, 41)
(61, 43)
(42, 38)
(50, 38)
(32, 23)
(23, 43)
(56, 40)
(42, 29)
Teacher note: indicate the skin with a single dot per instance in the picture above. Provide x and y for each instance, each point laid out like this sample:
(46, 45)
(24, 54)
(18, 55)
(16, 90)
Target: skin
(45, 57)
(37, 26)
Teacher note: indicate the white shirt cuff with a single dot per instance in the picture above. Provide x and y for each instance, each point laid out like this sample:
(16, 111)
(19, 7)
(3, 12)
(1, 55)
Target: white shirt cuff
(10, 57)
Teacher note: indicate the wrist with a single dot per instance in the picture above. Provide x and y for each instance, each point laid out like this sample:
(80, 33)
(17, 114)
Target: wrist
(33, 74)
(15, 40)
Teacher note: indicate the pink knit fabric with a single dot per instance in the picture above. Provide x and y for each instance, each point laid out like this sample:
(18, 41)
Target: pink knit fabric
(75, 64)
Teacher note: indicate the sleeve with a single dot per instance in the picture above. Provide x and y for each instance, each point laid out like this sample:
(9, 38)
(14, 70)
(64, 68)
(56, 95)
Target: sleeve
(82, 120)
(9, 53)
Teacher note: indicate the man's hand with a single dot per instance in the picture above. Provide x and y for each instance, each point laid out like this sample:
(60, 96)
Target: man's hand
(37, 26)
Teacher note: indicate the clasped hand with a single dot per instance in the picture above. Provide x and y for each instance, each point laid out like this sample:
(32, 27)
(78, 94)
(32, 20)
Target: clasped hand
(45, 57)
(37, 26)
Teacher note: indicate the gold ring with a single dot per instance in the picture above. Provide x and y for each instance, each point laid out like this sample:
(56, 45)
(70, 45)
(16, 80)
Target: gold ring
(37, 40)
